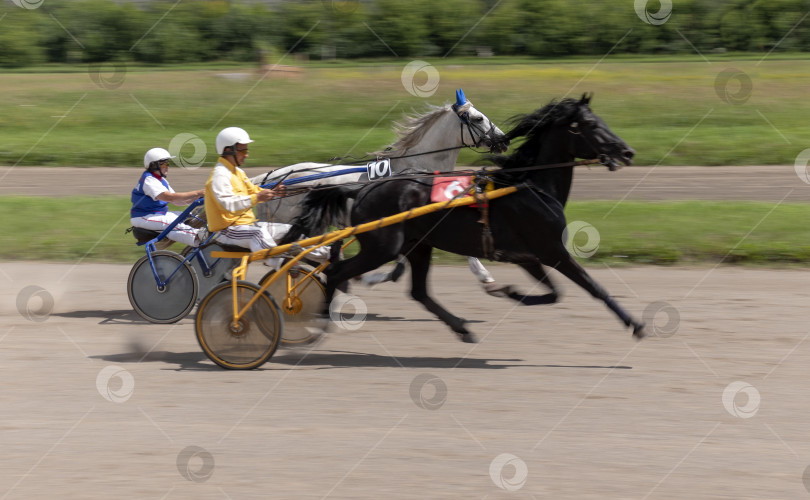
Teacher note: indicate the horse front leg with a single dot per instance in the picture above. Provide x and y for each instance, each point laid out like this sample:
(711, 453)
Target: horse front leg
(576, 273)
(419, 258)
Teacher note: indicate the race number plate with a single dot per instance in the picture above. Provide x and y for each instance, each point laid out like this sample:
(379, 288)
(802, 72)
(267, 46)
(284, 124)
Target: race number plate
(378, 169)
(447, 188)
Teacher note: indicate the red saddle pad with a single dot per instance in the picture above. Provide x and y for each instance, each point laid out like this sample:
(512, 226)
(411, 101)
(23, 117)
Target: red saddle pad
(447, 188)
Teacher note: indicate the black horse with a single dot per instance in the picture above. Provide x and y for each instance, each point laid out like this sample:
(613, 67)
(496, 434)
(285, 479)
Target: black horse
(526, 226)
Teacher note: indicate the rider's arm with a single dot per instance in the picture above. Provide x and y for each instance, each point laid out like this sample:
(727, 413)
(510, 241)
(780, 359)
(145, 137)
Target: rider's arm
(157, 191)
(262, 194)
(181, 198)
(232, 202)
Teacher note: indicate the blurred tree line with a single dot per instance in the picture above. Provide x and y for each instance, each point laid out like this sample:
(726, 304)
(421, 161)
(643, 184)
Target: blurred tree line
(162, 31)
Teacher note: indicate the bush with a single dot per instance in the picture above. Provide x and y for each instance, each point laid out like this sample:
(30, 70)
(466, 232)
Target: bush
(165, 31)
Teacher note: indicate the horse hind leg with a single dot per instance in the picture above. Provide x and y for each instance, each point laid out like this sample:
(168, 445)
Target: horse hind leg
(536, 270)
(419, 258)
(576, 273)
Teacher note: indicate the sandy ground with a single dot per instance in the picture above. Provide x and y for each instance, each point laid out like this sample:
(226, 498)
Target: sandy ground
(768, 183)
(555, 402)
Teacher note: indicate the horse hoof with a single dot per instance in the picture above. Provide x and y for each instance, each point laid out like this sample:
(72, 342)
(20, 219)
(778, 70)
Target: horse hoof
(639, 332)
(468, 338)
(497, 290)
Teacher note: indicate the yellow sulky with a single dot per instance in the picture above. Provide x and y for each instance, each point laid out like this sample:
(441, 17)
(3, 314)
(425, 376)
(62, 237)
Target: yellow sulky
(327, 239)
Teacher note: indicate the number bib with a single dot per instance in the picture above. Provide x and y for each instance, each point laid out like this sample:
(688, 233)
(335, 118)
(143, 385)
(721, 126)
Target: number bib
(379, 169)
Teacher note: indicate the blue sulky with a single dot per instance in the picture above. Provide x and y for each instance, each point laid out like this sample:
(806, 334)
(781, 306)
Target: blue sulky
(150, 246)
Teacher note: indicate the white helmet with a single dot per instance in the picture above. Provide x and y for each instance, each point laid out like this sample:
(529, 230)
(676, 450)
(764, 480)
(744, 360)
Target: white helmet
(156, 154)
(231, 136)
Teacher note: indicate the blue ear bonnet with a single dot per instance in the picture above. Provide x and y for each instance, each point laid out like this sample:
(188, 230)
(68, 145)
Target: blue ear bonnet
(461, 99)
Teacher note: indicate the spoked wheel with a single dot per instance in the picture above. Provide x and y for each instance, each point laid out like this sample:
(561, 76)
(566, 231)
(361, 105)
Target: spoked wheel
(301, 304)
(218, 271)
(170, 303)
(252, 340)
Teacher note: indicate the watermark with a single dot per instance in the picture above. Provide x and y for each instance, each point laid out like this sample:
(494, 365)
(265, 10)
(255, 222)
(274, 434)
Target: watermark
(34, 303)
(115, 384)
(28, 4)
(340, 316)
(575, 245)
(409, 79)
(730, 393)
(195, 464)
(802, 160)
(342, 6)
(505, 481)
(657, 310)
(428, 399)
(733, 86)
(179, 148)
(657, 18)
(108, 76)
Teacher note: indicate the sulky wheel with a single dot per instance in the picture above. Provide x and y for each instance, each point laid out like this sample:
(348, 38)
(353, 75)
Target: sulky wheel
(218, 268)
(252, 340)
(170, 303)
(301, 304)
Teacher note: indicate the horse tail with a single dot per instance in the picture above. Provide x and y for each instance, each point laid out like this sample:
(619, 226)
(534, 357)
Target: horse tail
(319, 210)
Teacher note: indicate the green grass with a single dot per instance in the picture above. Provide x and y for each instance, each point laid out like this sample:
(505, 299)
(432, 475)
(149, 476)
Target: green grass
(696, 232)
(92, 229)
(667, 108)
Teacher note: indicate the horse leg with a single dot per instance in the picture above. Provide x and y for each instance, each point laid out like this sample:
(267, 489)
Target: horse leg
(383, 277)
(339, 272)
(419, 258)
(486, 279)
(480, 271)
(576, 273)
(538, 272)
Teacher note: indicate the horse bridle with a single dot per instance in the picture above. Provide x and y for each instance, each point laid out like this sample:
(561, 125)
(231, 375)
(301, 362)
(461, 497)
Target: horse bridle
(607, 160)
(477, 133)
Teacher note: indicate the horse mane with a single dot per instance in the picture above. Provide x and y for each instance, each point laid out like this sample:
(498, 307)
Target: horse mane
(412, 128)
(531, 126)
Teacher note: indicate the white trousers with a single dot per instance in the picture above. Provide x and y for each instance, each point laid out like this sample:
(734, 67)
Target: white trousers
(181, 233)
(261, 236)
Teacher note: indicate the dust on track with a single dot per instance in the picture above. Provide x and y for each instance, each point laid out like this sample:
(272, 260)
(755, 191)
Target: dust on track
(555, 402)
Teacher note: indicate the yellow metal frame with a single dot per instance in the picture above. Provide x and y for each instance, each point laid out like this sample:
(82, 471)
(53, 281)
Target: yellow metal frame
(306, 280)
(315, 242)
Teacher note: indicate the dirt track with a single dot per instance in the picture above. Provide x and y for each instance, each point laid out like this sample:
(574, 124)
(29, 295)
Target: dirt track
(401, 409)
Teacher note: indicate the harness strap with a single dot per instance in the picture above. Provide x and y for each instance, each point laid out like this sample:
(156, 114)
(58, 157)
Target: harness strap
(487, 240)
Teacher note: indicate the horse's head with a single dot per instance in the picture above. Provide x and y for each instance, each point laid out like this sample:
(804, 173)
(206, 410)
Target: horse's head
(592, 138)
(567, 129)
(477, 128)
